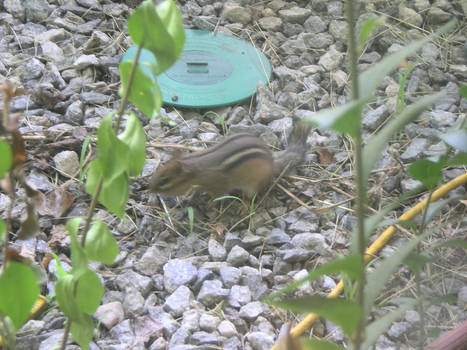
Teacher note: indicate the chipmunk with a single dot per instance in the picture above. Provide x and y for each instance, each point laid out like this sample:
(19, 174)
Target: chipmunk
(239, 162)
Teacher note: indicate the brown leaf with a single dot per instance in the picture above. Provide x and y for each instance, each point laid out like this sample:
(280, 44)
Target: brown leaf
(59, 238)
(46, 260)
(325, 156)
(404, 64)
(30, 226)
(55, 202)
(220, 230)
(19, 152)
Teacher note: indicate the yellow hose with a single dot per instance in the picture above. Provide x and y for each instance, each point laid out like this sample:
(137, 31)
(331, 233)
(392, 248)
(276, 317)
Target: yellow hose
(376, 246)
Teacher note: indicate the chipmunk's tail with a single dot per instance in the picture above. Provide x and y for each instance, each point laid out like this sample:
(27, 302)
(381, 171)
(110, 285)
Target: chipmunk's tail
(295, 152)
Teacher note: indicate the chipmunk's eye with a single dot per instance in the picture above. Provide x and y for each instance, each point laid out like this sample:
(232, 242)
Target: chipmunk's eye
(163, 181)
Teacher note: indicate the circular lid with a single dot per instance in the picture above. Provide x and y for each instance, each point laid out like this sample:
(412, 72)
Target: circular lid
(213, 70)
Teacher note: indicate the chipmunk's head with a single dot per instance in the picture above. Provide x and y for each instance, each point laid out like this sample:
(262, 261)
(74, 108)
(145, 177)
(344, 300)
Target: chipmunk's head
(172, 178)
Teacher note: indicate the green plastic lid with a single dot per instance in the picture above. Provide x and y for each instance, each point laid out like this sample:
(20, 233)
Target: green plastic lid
(213, 70)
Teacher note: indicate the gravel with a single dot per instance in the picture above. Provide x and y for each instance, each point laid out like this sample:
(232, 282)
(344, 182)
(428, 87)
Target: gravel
(171, 289)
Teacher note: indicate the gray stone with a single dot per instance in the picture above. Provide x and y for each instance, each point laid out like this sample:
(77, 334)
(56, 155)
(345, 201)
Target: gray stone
(410, 184)
(440, 118)
(95, 98)
(237, 256)
(110, 314)
(130, 280)
(52, 340)
(295, 14)
(146, 328)
(39, 180)
(412, 317)
(84, 61)
(332, 59)
(178, 301)
(133, 304)
(159, 344)
(212, 293)
(397, 329)
(33, 69)
(123, 332)
(67, 163)
(36, 10)
(314, 24)
(312, 241)
(201, 338)
(277, 237)
(227, 329)
(415, 150)
(180, 337)
(178, 272)
(410, 16)
(165, 319)
(216, 251)
(52, 51)
(252, 310)
(317, 41)
(152, 261)
(270, 23)
(462, 297)
(294, 255)
(75, 112)
(436, 15)
(209, 322)
(16, 8)
(374, 118)
(237, 14)
(190, 319)
(230, 275)
(239, 295)
(260, 340)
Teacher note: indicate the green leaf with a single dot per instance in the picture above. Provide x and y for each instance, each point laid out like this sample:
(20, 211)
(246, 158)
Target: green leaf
(463, 90)
(18, 292)
(367, 28)
(455, 243)
(82, 331)
(100, 244)
(135, 138)
(375, 146)
(458, 159)
(144, 93)
(318, 344)
(378, 327)
(6, 157)
(376, 219)
(416, 261)
(89, 292)
(371, 78)
(456, 139)
(158, 29)
(113, 154)
(64, 292)
(2, 229)
(344, 119)
(342, 312)
(114, 191)
(60, 272)
(84, 147)
(377, 279)
(79, 259)
(427, 171)
(350, 264)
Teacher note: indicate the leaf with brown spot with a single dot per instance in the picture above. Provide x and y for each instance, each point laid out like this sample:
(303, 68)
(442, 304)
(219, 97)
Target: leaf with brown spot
(325, 156)
(55, 202)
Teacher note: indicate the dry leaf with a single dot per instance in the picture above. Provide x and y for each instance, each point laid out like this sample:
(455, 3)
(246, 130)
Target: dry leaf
(404, 64)
(19, 152)
(30, 226)
(59, 237)
(325, 156)
(55, 202)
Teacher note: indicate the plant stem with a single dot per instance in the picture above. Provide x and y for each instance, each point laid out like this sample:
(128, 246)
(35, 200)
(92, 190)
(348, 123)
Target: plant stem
(126, 92)
(361, 186)
(65, 334)
(418, 284)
